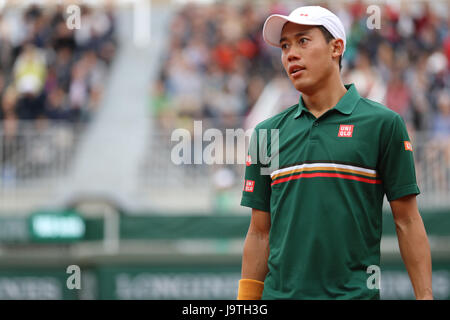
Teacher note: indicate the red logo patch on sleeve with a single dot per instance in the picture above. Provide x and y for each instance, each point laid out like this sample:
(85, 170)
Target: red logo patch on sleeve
(408, 146)
(249, 185)
(249, 160)
(345, 130)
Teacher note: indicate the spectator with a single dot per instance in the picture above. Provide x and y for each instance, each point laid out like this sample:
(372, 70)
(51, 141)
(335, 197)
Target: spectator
(56, 108)
(29, 77)
(441, 121)
(366, 78)
(397, 94)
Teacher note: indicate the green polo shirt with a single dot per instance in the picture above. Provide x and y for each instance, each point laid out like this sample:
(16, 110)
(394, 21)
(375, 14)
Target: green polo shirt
(325, 196)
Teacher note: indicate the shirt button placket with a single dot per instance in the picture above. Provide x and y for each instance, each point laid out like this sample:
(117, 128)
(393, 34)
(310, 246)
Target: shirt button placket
(313, 136)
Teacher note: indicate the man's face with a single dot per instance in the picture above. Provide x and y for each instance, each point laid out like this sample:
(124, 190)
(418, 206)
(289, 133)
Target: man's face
(306, 56)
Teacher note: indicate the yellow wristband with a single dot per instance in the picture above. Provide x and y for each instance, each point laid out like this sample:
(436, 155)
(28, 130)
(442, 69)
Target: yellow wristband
(250, 289)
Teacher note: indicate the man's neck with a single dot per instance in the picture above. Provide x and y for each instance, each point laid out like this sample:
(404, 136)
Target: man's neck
(325, 97)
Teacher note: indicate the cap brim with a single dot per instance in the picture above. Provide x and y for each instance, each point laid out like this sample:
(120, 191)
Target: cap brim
(274, 25)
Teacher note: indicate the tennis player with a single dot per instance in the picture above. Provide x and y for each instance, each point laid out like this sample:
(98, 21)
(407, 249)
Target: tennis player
(315, 229)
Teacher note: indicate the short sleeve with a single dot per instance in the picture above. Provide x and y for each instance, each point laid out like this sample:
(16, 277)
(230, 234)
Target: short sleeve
(396, 164)
(257, 189)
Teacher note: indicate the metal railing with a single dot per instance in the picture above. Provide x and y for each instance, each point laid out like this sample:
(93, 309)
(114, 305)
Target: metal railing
(432, 163)
(34, 158)
(30, 153)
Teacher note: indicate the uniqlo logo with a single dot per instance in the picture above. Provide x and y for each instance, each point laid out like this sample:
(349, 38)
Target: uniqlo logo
(249, 185)
(408, 146)
(345, 130)
(303, 14)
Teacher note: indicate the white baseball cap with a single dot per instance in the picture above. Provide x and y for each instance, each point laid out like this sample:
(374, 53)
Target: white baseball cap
(309, 15)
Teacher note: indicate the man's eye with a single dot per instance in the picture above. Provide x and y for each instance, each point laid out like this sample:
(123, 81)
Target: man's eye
(284, 46)
(303, 40)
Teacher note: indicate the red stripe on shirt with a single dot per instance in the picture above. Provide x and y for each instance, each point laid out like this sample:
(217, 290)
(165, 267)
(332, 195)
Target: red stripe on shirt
(326, 175)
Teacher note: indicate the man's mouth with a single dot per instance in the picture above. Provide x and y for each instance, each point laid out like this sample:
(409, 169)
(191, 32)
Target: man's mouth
(294, 70)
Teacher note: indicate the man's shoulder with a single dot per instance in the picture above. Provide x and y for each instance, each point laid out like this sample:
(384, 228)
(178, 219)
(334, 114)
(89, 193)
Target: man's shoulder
(277, 120)
(376, 110)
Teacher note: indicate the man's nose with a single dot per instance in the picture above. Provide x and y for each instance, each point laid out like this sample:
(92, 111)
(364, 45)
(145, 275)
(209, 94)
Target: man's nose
(293, 55)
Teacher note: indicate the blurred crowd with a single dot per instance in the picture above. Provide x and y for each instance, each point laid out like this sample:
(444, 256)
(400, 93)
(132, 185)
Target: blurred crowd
(50, 73)
(405, 64)
(217, 64)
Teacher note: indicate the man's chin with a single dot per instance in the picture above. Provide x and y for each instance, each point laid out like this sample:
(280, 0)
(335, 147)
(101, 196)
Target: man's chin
(302, 86)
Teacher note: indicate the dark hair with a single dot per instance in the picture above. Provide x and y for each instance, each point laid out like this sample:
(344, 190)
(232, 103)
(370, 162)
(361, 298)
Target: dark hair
(328, 37)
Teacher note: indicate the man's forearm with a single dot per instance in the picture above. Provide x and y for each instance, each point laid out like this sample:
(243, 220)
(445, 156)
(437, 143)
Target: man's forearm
(415, 251)
(255, 255)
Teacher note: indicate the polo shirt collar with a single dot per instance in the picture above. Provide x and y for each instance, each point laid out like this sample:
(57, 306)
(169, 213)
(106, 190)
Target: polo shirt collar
(346, 104)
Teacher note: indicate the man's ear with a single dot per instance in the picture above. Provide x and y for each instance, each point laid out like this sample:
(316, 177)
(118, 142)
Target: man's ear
(337, 48)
